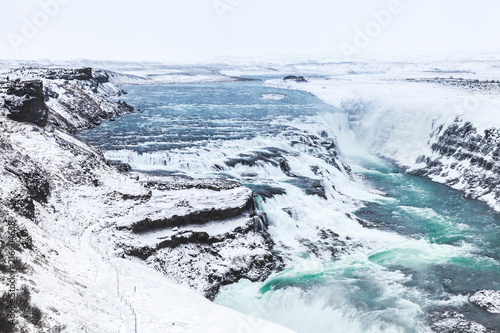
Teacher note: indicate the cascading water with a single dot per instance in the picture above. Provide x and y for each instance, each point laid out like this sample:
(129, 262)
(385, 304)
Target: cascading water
(367, 247)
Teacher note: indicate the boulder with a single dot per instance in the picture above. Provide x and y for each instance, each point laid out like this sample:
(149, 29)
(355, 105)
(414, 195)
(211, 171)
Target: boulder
(488, 300)
(295, 78)
(119, 165)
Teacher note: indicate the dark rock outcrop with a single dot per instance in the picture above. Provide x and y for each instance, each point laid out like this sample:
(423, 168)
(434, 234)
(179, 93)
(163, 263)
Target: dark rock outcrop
(26, 102)
(299, 79)
(468, 84)
(201, 258)
(197, 217)
(125, 107)
(100, 76)
(70, 74)
(75, 99)
(119, 165)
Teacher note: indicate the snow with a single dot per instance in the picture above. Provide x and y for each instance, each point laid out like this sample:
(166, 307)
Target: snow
(163, 306)
(107, 280)
(76, 259)
(165, 205)
(451, 322)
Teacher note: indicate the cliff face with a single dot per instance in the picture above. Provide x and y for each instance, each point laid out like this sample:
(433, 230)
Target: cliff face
(465, 159)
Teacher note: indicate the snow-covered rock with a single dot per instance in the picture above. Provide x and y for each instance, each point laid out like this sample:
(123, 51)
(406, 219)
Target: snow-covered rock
(487, 299)
(25, 102)
(451, 322)
(76, 98)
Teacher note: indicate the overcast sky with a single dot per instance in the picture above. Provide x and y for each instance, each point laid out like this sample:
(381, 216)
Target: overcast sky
(197, 30)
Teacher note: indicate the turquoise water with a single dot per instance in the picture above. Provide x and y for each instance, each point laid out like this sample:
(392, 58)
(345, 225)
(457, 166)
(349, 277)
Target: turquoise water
(441, 216)
(431, 246)
(179, 116)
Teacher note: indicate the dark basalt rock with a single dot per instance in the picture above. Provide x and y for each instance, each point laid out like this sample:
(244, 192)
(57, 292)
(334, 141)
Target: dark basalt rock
(265, 191)
(24, 205)
(312, 247)
(84, 102)
(271, 155)
(100, 76)
(285, 167)
(119, 165)
(259, 269)
(38, 186)
(28, 102)
(48, 94)
(469, 84)
(328, 143)
(125, 107)
(310, 186)
(198, 217)
(176, 183)
(138, 197)
(291, 212)
(70, 74)
(194, 244)
(327, 246)
(295, 78)
(256, 223)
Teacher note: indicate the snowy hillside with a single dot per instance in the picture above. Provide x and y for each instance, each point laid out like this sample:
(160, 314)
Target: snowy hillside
(74, 226)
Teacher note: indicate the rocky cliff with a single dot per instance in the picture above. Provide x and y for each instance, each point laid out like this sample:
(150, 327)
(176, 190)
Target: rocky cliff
(465, 159)
(75, 98)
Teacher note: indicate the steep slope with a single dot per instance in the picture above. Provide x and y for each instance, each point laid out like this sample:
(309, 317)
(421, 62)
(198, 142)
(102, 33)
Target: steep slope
(66, 262)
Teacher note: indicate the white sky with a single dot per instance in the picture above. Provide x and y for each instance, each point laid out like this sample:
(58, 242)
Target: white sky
(192, 30)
